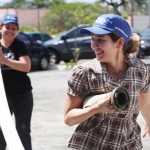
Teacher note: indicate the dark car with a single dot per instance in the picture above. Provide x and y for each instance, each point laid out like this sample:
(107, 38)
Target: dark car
(38, 53)
(62, 47)
(39, 36)
(144, 48)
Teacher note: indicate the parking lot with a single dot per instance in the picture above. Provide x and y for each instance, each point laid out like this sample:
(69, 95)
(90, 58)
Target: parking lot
(48, 129)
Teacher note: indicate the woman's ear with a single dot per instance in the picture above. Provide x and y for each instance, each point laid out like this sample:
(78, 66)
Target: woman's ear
(120, 42)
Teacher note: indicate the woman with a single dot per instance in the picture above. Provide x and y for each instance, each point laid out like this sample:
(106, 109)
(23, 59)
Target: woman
(15, 63)
(101, 127)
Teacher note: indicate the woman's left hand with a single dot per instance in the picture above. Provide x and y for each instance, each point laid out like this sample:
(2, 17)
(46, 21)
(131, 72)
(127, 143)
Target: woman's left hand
(2, 57)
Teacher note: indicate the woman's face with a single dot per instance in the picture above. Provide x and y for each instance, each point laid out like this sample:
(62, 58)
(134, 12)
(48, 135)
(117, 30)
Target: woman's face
(9, 31)
(103, 46)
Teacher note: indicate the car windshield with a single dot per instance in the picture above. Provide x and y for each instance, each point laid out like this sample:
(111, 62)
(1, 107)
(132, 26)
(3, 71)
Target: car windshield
(24, 38)
(146, 33)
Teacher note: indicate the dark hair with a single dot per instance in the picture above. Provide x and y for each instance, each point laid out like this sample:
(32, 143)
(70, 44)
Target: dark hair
(131, 47)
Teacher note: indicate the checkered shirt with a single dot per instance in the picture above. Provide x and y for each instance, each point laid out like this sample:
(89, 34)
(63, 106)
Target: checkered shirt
(105, 131)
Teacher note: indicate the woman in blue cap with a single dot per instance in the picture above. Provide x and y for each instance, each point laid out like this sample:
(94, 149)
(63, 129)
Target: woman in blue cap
(101, 126)
(15, 64)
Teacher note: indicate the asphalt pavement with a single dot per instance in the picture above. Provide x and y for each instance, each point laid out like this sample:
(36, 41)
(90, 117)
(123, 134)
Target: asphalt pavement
(48, 129)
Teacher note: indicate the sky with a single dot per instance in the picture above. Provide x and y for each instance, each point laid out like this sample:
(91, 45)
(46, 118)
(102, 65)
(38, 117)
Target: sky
(88, 1)
(4, 1)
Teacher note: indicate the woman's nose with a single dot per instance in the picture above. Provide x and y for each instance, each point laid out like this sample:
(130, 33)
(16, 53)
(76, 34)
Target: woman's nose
(94, 44)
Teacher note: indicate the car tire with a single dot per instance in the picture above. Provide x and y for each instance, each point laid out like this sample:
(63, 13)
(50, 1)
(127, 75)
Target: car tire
(54, 58)
(43, 63)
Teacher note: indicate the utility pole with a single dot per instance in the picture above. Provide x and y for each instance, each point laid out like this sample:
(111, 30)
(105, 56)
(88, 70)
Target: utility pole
(38, 19)
(148, 12)
(60, 21)
(132, 13)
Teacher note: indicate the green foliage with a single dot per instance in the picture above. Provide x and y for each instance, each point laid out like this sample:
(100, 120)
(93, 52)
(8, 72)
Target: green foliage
(140, 6)
(64, 16)
(18, 4)
(31, 3)
(28, 29)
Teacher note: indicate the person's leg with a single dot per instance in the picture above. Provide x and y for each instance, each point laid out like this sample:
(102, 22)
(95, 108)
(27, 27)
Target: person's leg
(23, 112)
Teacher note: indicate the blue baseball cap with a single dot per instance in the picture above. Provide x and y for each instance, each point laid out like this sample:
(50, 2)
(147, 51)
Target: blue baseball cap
(10, 18)
(109, 23)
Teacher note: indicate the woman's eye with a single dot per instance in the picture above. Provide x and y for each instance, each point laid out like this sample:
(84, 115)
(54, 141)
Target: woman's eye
(8, 28)
(97, 40)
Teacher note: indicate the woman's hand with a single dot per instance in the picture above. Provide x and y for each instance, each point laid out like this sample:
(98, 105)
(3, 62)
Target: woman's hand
(104, 106)
(2, 57)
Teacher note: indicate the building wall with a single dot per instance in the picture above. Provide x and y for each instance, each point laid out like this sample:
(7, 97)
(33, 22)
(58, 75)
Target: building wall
(141, 22)
(26, 17)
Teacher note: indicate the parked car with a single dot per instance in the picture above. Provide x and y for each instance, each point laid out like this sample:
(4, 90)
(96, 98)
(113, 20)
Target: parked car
(62, 47)
(144, 48)
(39, 36)
(38, 53)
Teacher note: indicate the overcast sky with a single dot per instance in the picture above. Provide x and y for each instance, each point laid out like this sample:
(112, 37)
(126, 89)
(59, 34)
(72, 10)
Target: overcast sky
(4, 1)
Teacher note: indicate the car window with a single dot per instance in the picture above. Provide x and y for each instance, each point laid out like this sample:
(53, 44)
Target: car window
(75, 33)
(46, 37)
(24, 38)
(36, 37)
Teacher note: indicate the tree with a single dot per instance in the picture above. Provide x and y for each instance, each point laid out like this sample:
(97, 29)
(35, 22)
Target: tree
(18, 4)
(64, 16)
(31, 3)
(116, 4)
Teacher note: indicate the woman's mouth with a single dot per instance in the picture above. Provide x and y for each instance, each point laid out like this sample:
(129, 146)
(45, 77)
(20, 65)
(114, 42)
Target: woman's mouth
(99, 54)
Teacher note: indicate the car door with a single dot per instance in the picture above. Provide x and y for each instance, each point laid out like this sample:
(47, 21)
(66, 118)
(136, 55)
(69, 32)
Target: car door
(74, 40)
(86, 51)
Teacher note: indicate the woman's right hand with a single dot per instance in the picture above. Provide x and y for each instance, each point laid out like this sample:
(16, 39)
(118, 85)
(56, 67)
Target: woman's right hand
(104, 106)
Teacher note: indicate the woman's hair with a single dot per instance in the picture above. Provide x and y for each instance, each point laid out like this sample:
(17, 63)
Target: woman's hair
(131, 47)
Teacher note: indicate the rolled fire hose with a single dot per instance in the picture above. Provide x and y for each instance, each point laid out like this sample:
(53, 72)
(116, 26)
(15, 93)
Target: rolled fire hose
(6, 121)
(119, 99)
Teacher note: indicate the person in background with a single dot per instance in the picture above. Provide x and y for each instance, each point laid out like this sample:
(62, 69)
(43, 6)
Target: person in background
(100, 126)
(15, 64)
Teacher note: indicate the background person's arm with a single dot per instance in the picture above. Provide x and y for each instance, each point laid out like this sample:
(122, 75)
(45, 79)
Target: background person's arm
(145, 110)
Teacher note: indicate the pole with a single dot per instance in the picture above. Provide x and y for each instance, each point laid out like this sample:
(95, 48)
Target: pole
(149, 12)
(38, 19)
(132, 13)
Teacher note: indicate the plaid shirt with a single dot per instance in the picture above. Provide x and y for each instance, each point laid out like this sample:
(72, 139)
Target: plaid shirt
(104, 131)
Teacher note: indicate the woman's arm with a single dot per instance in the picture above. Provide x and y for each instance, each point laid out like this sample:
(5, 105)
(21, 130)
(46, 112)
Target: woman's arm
(145, 110)
(23, 64)
(75, 114)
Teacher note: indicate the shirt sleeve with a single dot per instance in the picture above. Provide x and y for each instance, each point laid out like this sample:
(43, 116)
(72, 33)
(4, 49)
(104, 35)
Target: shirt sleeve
(77, 83)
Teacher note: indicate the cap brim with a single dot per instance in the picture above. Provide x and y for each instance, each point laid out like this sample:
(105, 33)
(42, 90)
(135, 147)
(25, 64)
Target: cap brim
(6, 22)
(94, 30)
